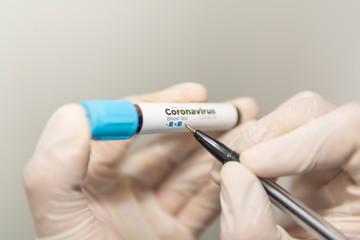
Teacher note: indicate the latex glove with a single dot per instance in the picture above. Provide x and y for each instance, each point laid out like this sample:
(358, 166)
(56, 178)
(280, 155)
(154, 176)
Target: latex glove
(78, 188)
(324, 155)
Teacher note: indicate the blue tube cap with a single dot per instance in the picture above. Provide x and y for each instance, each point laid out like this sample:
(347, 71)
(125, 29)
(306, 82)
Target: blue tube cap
(111, 119)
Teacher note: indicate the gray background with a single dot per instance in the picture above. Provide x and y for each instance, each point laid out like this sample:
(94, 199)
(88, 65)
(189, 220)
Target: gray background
(56, 52)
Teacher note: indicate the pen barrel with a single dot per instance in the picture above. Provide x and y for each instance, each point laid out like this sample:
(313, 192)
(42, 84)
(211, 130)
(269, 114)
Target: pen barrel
(219, 150)
(299, 212)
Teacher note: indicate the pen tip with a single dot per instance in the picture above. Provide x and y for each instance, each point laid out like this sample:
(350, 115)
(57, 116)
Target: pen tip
(192, 130)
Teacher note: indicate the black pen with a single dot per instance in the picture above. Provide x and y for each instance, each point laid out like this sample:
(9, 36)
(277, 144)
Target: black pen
(299, 212)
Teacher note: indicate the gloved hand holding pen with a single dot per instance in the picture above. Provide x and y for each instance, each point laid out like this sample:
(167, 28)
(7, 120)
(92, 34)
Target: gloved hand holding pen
(309, 138)
(78, 188)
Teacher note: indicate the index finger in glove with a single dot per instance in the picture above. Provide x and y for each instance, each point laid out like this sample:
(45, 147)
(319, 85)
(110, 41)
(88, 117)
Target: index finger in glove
(331, 141)
(295, 112)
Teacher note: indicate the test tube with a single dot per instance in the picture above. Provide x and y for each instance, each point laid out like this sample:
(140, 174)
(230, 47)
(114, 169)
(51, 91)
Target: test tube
(121, 119)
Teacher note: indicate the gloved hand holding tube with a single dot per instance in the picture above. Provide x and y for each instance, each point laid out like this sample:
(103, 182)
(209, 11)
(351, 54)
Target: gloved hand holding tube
(78, 188)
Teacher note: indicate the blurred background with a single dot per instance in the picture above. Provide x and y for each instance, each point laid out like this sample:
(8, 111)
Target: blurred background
(56, 52)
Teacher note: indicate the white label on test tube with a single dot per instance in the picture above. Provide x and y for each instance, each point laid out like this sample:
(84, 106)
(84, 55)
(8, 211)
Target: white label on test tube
(172, 117)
